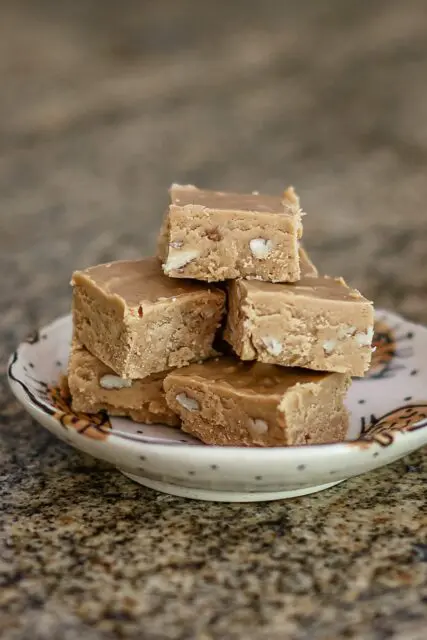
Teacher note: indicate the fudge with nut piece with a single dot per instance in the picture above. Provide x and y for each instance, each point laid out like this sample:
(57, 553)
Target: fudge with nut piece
(227, 402)
(95, 387)
(319, 323)
(215, 236)
(138, 321)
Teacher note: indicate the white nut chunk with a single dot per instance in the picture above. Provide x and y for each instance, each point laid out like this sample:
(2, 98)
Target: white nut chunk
(178, 259)
(364, 339)
(114, 382)
(272, 345)
(257, 427)
(329, 346)
(188, 403)
(345, 331)
(260, 248)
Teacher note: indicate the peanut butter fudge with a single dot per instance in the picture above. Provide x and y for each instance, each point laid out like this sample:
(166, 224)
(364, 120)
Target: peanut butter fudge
(138, 321)
(319, 323)
(307, 268)
(227, 402)
(95, 387)
(214, 236)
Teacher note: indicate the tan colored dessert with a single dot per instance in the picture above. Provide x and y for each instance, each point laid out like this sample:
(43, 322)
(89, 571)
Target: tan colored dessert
(227, 402)
(307, 268)
(215, 236)
(95, 387)
(319, 323)
(138, 321)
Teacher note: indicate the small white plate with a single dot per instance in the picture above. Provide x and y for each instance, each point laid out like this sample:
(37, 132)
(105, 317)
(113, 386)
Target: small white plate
(388, 421)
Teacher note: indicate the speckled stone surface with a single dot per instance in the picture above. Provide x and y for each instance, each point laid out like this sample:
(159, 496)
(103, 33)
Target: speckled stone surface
(103, 104)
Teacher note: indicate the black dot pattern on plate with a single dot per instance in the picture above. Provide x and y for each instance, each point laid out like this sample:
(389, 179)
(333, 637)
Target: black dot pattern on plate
(410, 335)
(30, 364)
(142, 457)
(58, 363)
(183, 441)
(414, 372)
(44, 337)
(376, 454)
(333, 472)
(362, 401)
(139, 431)
(191, 473)
(258, 477)
(301, 467)
(214, 467)
(407, 399)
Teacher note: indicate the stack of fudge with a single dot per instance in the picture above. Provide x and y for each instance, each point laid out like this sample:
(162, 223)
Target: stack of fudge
(230, 333)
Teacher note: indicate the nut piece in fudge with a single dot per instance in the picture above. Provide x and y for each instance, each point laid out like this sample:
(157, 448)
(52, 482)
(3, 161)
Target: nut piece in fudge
(215, 236)
(138, 321)
(95, 387)
(227, 402)
(319, 323)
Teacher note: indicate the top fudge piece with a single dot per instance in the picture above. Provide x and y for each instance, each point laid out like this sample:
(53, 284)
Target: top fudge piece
(319, 323)
(138, 322)
(215, 236)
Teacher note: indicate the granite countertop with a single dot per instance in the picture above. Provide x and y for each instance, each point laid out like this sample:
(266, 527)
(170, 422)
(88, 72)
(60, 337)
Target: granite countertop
(102, 106)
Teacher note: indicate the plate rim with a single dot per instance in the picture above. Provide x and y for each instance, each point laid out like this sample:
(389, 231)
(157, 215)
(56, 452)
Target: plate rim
(25, 397)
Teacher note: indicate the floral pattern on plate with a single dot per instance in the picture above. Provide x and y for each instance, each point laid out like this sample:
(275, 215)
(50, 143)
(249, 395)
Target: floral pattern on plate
(388, 420)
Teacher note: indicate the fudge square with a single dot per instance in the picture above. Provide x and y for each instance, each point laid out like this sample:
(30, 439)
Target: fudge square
(215, 236)
(227, 402)
(95, 387)
(319, 323)
(138, 321)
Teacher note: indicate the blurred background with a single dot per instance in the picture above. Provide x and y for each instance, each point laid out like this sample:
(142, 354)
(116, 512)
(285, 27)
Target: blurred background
(103, 104)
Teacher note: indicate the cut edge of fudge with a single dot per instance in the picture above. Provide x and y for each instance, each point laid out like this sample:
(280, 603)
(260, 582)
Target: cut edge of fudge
(307, 267)
(216, 236)
(216, 409)
(319, 323)
(137, 332)
(94, 387)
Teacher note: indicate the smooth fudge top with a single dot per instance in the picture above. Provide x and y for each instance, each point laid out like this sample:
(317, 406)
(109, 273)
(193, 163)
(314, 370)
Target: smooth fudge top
(135, 281)
(250, 377)
(322, 287)
(189, 196)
